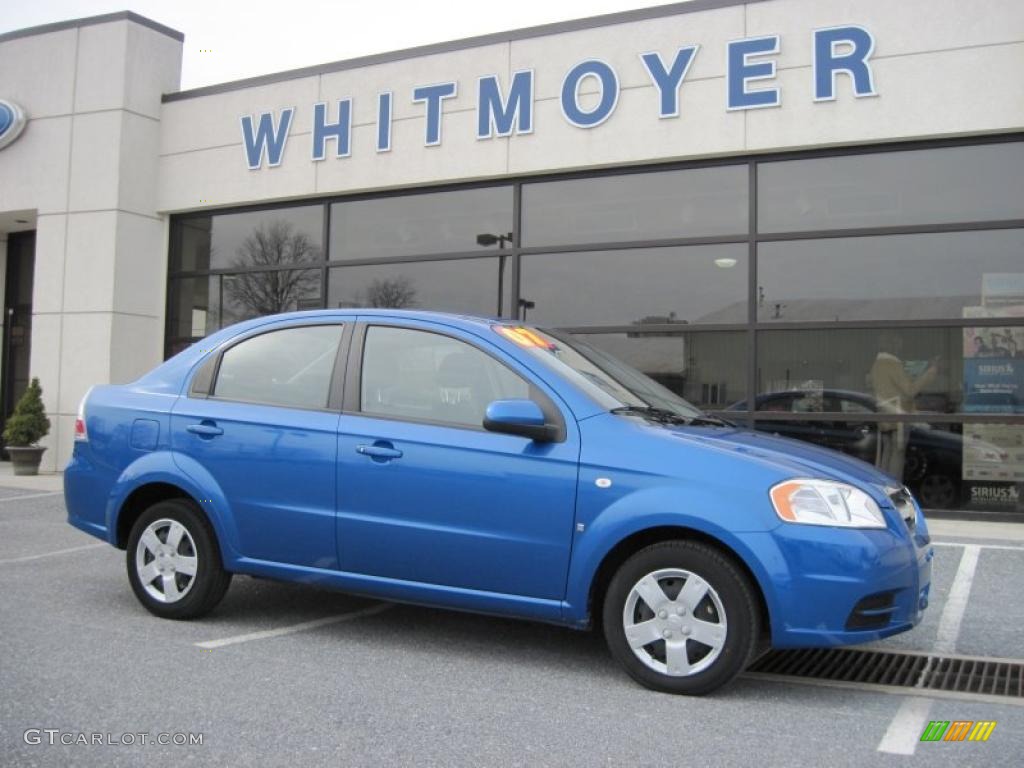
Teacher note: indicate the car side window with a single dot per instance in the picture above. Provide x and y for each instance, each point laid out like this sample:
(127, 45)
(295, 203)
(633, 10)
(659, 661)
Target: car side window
(852, 406)
(782, 404)
(410, 374)
(808, 402)
(290, 367)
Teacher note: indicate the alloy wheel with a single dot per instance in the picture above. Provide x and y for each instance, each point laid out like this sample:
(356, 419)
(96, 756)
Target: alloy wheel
(166, 560)
(675, 622)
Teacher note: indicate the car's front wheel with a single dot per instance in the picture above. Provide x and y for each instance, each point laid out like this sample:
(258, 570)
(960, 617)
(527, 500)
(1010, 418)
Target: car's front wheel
(174, 564)
(681, 618)
(938, 490)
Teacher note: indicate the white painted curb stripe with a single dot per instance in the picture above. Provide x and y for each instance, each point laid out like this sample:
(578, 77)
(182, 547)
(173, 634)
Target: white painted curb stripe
(904, 732)
(956, 604)
(373, 609)
(51, 554)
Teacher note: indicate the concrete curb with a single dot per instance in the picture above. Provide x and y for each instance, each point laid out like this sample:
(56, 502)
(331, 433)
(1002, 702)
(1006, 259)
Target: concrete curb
(45, 481)
(974, 529)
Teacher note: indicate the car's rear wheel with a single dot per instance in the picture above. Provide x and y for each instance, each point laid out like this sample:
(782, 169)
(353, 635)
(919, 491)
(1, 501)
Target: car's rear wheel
(681, 618)
(174, 563)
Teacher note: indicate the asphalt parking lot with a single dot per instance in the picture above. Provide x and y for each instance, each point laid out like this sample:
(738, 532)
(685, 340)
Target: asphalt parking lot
(292, 675)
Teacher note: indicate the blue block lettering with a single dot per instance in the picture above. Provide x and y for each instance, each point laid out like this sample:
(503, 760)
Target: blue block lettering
(829, 61)
(340, 131)
(384, 122)
(433, 95)
(741, 71)
(668, 80)
(498, 117)
(606, 76)
(265, 141)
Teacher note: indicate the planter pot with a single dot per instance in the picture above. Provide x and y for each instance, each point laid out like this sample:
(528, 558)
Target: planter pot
(25, 460)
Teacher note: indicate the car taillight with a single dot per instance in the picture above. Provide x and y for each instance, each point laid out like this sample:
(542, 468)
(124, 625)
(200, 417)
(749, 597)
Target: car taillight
(80, 431)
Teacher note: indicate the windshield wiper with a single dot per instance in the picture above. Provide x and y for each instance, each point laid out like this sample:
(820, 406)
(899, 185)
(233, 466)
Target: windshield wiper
(709, 421)
(653, 413)
(665, 416)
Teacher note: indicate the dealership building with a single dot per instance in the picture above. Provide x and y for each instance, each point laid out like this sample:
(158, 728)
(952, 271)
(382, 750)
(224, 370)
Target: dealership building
(804, 215)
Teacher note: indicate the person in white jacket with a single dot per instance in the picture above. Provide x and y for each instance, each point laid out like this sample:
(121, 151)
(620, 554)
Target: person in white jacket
(895, 390)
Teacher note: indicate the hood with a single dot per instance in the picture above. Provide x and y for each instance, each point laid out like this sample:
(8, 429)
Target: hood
(799, 458)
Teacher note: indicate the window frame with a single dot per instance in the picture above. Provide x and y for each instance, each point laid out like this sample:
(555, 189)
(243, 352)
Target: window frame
(204, 378)
(751, 326)
(352, 399)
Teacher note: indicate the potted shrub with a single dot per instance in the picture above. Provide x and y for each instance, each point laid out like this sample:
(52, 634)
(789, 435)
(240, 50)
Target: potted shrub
(26, 427)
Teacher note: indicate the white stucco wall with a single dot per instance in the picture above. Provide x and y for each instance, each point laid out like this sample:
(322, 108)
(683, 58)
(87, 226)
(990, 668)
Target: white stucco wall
(941, 68)
(86, 165)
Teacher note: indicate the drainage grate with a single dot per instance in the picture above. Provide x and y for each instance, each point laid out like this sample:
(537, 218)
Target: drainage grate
(919, 671)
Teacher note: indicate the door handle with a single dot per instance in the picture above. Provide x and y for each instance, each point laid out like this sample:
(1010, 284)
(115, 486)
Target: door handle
(379, 451)
(204, 430)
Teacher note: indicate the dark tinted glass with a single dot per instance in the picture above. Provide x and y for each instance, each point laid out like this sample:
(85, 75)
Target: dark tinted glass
(457, 285)
(706, 369)
(896, 277)
(438, 222)
(290, 367)
(906, 370)
(928, 186)
(190, 244)
(693, 284)
(253, 294)
(640, 206)
(424, 376)
(188, 308)
(277, 237)
(947, 466)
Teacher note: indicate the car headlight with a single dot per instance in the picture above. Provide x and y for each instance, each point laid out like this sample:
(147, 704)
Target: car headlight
(823, 502)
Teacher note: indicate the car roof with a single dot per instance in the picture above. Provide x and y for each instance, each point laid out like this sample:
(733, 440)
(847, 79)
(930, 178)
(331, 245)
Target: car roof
(450, 318)
(850, 394)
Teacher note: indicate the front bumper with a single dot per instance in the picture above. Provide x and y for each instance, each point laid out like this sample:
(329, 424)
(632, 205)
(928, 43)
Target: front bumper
(836, 586)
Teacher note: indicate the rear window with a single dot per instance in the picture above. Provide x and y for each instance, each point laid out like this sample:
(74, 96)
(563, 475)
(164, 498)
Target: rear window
(290, 367)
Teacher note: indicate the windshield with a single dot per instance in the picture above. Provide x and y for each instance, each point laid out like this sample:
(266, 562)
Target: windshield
(609, 381)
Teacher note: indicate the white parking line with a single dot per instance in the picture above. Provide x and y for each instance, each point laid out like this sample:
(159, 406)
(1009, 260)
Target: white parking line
(373, 609)
(31, 496)
(971, 544)
(956, 604)
(51, 554)
(904, 732)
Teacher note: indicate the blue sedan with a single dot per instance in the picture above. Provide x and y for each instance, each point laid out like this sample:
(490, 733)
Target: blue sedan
(486, 466)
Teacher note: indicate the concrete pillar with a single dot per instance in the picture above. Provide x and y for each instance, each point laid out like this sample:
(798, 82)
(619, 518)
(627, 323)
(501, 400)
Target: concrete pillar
(101, 246)
(3, 286)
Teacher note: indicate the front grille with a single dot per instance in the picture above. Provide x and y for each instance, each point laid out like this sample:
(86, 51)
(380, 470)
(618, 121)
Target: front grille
(921, 671)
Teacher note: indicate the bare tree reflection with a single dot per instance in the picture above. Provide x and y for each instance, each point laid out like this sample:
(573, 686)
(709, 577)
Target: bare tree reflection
(273, 244)
(394, 293)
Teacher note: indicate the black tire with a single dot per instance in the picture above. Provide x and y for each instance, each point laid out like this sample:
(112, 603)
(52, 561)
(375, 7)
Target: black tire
(734, 593)
(938, 490)
(203, 590)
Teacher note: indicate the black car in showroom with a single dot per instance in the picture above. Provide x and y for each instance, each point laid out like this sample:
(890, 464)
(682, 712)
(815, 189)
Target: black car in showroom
(932, 469)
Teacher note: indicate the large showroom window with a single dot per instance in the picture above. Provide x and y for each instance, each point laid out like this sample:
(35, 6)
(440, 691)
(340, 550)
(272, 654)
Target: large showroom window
(870, 300)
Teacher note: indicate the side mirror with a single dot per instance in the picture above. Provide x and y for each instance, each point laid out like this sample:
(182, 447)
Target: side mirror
(518, 417)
